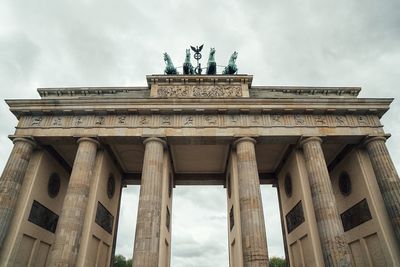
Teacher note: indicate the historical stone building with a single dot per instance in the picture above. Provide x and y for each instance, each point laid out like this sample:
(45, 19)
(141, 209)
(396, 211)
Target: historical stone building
(323, 148)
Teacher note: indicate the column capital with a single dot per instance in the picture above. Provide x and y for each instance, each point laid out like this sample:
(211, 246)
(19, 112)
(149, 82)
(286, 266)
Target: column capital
(26, 139)
(246, 138)
(370, 139)
(90, 139)
(310, 139)
(149, 139)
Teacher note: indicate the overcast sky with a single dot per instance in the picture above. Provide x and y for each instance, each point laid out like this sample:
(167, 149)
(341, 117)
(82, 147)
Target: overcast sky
(116, 43)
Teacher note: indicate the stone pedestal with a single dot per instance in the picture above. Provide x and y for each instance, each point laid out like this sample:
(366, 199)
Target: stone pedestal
(387, 178)
(11, 181)
(335, 250)
(254, 242)
(69, 229)
(147, 238)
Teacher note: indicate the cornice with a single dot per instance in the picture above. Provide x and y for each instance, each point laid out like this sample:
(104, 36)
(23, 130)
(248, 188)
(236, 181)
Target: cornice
(255, 91)
(376, 106)
(304, 91)
(199, 79)
(74, 92)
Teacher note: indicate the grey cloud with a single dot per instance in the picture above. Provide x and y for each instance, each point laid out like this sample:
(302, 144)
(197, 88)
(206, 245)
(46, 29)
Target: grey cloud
(18, 54)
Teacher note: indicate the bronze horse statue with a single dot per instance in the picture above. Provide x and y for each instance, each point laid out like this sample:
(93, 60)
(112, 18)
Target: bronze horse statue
(211, 64)
(187, 65)
(169, 69)
(231, 68)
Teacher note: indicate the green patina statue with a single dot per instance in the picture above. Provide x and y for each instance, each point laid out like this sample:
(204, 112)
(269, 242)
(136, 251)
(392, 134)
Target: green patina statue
(231, 68)
(169, 69)
(211, 64)
(187, 65)
(211, 69)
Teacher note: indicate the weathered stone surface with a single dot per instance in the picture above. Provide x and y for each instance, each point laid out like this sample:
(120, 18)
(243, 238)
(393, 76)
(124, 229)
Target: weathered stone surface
(11, 181)
(254, 241)
(147, 237)
(69, 230)
(335, 249)
(387, 178)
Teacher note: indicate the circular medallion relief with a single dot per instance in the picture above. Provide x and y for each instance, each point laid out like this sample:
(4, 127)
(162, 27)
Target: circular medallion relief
(53, 185)
(110, 186)
(344, 184)
(288, 185)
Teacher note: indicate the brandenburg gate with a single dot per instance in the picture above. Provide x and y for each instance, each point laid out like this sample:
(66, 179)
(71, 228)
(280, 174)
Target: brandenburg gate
(322, 148)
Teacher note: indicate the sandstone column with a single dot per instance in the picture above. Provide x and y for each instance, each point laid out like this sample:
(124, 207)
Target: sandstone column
(147, 238)
(254, 242)
(11, 181)
(69, 229)
(335, 250)
(387, 178)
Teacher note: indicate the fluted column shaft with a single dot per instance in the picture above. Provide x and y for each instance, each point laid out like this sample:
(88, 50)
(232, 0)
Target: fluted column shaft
(387, 178)
(69, 229)
(148, 226)
(335, 250)
(254, 242)
(11, 181)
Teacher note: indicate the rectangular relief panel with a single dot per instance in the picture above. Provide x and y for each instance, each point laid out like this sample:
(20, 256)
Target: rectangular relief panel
(25, 251)
(104, 218)
(295, 217)
(93, 251)
(296, 260)
(43, 217)
(308, 252)
(233, 262)
(359, 258)
(102, 260)
(41, 255)
(375, 250)
(356, 215)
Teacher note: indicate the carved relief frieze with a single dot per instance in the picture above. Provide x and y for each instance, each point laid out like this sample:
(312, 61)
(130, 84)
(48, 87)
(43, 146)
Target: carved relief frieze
(211, 91)
(57, 121)
(36, 121)
(173, 91)
(121, 119)
(198, 120)
(78, 121)
(234, 120)
(188, 121)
